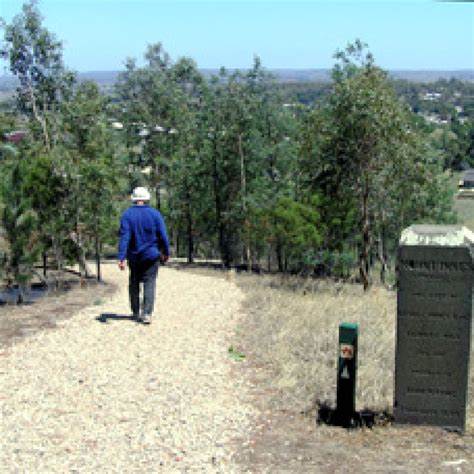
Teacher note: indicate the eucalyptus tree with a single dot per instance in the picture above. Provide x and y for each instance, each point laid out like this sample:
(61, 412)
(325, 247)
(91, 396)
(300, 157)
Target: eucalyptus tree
(365, 150)
(269, 171)
(70, 187)
(34, 56)
(228, 149)
(45, 188)
(187, 188)
(90, 167)
(21, 227)
(249, 149)
(214, 157)
(413, 188)
(273, 170)
(148, 103)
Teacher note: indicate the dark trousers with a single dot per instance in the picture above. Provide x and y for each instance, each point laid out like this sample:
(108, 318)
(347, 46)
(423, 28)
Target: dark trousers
(143, 272)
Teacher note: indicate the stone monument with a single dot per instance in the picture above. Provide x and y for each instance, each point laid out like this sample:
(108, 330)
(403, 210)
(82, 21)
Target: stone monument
(434, 312)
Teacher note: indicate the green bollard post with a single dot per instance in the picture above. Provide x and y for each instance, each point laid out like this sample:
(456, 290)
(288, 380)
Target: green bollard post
(346, 373)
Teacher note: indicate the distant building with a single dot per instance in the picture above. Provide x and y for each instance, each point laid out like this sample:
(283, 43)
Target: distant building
(15, 136)
(432, 96)
(431, 118)
(463, 166)
(466, 186)
(467, 181)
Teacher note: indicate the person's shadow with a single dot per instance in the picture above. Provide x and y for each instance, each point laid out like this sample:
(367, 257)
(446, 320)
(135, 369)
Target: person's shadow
(106, 317)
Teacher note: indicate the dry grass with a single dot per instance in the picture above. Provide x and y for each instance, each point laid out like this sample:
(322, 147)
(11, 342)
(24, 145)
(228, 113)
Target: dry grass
(291, 332)
(463, 207)
(465, 210)
(295, 329)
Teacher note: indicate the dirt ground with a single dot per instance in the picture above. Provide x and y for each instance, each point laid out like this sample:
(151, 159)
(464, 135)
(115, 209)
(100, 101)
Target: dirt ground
(288, 441)
(283, 440)
(18, 322)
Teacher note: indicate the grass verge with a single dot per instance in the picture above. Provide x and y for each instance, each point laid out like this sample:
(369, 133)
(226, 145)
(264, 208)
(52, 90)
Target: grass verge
(292, 325)
(292, 328)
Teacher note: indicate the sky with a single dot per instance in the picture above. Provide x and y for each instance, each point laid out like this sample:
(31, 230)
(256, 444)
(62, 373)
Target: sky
(98, 35)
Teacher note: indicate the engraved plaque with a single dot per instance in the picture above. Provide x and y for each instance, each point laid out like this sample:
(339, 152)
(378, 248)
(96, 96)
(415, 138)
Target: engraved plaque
(434, 311)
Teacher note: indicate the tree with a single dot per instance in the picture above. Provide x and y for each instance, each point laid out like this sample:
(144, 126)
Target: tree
(35, 58)
(366, 149)
(273, 150)
(298, 227)
(90, 169)
(148, 100)
(248, 152)
(187, 183)
(321, 171)
(21, 225)
(48, 196)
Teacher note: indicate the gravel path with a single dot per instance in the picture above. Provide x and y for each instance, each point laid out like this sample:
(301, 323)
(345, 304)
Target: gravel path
(102, 393)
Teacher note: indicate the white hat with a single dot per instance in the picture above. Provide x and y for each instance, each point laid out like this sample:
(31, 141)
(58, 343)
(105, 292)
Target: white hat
(140, 194)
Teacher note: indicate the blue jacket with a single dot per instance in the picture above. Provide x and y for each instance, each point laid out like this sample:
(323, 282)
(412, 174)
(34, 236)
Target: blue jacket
(142, 235)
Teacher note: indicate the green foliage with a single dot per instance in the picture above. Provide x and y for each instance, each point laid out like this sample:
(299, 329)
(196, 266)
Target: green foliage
(249, 156)
(68, 166)
(298, 225)
(20, 223)
(306, 93)
(363, 153)
(235, 354)
(92, 171)
(44, 186)
(332, 263)
(35, 58)
(149, 101)
(444, 108)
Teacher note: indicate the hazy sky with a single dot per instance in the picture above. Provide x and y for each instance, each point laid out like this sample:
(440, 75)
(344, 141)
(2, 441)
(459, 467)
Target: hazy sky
(403, 34)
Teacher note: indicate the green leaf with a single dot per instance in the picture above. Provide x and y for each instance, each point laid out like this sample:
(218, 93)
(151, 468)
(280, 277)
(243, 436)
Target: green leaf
(235, 354)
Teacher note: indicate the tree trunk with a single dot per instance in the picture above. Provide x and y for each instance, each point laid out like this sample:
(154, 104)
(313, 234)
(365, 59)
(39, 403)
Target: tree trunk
(97, 258)
(59, 258)
(45, 264)
(382, 256)
(40, 119)
(279, 255)
(157, 186)
(243, 184)
(81, 256)
(189, 228)
(223, 247)
(365, 245)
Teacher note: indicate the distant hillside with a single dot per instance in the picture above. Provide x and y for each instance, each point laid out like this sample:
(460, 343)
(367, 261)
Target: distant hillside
(105, 78)
(324, 75)
(101, 77)
(432, 76)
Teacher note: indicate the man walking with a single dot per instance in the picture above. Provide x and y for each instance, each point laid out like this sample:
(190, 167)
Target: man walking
(144, 243)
